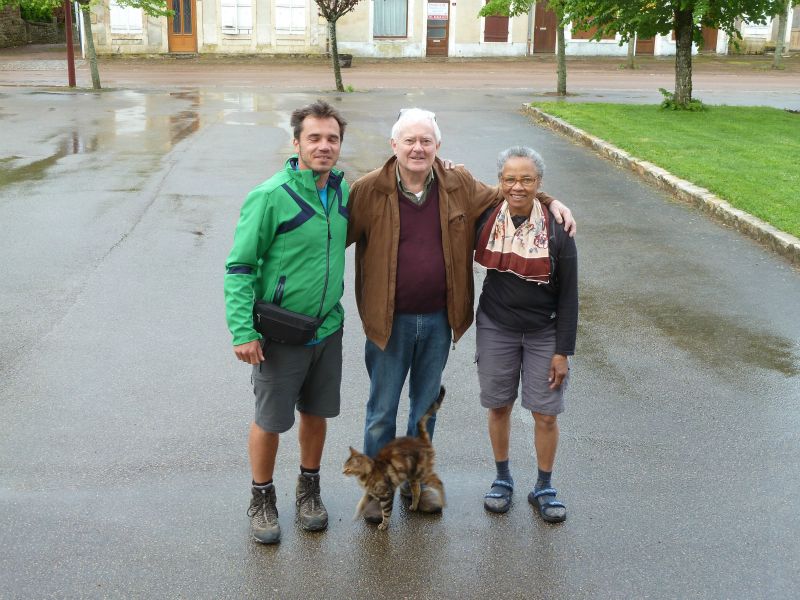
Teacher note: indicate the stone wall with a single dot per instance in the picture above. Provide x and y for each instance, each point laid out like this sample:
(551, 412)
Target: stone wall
(12, 28)
(43, 33)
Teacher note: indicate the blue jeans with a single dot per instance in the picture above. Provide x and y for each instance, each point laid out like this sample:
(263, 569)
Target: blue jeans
(419, 343)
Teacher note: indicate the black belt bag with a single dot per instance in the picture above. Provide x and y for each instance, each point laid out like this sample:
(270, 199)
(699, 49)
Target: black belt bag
(283, 326)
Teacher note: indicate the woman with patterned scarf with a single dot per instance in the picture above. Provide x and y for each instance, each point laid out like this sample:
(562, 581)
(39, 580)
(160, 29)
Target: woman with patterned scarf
(526, 324)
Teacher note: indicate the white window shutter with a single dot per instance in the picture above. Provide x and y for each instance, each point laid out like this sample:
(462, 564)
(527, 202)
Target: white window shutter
(228, 15)
(298, 19)
(125, 19)
(119, 20)
(245, 15)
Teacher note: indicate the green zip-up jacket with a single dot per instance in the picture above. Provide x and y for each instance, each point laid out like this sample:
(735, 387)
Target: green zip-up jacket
(286, 240)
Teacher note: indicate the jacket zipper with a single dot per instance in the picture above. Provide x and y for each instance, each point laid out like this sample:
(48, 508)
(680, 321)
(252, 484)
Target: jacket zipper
(327, 266)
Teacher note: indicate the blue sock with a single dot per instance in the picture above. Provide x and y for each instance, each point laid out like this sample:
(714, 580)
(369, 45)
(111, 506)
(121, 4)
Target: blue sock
(503, 472)
(544, 479)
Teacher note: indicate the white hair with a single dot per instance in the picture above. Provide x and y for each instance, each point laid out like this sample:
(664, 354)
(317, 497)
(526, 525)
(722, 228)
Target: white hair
(520, 152)
(412, 116)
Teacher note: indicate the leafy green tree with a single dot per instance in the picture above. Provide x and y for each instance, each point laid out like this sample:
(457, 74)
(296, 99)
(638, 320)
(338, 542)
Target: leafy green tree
(150, 7)
(32, 10)
(332, 11)
(783, 7)
(650, 17)
(685, 17)
(514, 8)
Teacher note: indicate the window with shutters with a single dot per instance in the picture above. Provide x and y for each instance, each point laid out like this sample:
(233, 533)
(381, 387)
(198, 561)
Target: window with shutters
(237, 16)
(390, 18)
(290, 16)
(125, 19)
(586, 34)
(495, 29)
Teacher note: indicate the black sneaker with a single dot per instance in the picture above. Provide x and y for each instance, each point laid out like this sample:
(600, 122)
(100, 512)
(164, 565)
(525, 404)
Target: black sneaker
(310, 509)
(264, 516)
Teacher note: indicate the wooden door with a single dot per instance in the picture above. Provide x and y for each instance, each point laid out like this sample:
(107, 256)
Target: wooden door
(646, 46)
(544, 29)
(438, 14)
(709, 39)
(181, 27)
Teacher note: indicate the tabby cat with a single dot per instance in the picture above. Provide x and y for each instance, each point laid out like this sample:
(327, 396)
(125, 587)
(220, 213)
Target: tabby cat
(403, 459)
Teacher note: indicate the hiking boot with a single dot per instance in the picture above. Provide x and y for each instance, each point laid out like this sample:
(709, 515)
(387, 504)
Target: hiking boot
(429, 499)
(264, 516)
(310, 509)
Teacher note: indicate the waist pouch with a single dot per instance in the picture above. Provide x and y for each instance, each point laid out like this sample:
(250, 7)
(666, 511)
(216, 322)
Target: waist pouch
(283, 326)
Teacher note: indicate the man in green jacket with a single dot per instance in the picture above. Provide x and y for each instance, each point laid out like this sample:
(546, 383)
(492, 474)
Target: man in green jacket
(289, 250)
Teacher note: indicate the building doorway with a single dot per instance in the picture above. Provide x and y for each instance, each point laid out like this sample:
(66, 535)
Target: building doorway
(181, 27)
(438, 25)
(645, 46)
(709, 39)
(544, 29)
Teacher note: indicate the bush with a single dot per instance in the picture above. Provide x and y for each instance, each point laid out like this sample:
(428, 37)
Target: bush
(38, 12)
(668, 103)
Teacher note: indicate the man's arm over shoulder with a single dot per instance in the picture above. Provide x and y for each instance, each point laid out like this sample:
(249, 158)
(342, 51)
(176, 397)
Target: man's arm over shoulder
(478, 196)
(560, 211)
(567, 274)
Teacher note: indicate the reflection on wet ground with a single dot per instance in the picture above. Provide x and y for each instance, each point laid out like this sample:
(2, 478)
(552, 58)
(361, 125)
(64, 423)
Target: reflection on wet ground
(186, 122)
(718, 341)
(72, 143)
(139, 124)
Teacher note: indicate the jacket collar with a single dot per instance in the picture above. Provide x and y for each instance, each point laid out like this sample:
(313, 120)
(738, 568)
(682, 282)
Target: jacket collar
(306, 178)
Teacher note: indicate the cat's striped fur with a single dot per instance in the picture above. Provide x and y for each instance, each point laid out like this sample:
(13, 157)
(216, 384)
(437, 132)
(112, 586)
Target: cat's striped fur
(403, 459)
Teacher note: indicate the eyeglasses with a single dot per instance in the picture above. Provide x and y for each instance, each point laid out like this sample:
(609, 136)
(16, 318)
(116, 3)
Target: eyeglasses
(526, 182)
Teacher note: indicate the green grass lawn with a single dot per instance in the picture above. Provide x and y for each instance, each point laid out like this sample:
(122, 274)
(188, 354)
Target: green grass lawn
(749, 156)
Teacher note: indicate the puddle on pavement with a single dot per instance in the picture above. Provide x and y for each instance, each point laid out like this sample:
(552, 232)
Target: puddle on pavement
(142, 117)
(718, 341)
(722, 341)
(72, 143)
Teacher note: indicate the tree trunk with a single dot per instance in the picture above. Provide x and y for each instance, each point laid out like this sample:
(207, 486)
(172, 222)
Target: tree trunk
(337, 71)
(631, 52)
(562, 60)
(684, 28)
(780, 43)
(91, 55)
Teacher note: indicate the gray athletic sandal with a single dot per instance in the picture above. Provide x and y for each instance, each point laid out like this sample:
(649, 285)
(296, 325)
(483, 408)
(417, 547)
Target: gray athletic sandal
(550, 509)
(498, 499)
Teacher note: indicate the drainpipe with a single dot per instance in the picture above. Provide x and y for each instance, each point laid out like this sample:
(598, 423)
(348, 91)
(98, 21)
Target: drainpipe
(529, 46)
(81, 30)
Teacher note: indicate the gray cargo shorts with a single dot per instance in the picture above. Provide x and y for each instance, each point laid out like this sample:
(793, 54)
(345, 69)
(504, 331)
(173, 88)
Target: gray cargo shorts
(304, 377)
(503, 356)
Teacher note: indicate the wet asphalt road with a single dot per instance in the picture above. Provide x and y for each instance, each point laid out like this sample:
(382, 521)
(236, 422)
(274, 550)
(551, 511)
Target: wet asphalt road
(123, 413)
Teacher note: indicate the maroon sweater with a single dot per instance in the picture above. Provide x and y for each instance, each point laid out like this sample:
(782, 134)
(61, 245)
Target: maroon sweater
(421, 285)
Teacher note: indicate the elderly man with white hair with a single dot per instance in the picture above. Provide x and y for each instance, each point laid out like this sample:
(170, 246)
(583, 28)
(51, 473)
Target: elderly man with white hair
(413, 223)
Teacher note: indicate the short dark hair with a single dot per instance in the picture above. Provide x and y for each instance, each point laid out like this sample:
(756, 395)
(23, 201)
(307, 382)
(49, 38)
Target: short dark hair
(320, 110)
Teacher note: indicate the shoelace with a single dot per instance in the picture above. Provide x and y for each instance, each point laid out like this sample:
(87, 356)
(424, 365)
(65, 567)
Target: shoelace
(263, 505)
(311, 493)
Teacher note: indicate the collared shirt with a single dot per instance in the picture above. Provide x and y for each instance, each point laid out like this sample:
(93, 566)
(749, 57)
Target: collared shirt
(416, 199)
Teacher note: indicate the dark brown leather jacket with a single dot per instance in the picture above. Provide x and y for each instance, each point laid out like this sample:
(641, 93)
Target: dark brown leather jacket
(374, 227)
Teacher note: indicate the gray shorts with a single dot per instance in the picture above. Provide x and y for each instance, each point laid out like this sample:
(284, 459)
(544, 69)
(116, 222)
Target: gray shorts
(306, 377)
(503, 355)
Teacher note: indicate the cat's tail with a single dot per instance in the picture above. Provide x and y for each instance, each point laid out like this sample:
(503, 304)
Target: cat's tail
(422, 426)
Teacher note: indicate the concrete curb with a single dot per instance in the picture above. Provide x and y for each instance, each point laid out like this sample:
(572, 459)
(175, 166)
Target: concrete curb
(781, 242)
